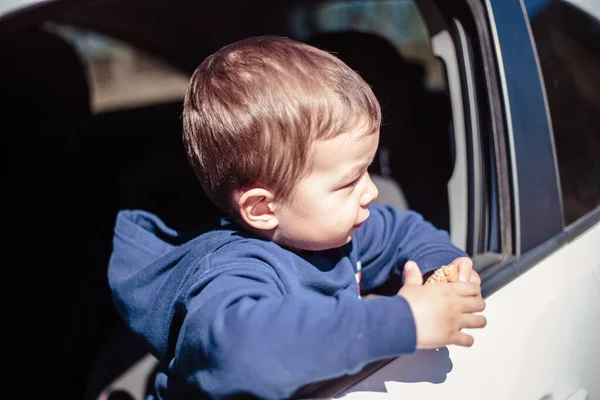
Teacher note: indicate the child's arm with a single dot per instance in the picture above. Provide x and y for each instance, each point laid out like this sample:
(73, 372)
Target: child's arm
(242, 335)
(388, 239)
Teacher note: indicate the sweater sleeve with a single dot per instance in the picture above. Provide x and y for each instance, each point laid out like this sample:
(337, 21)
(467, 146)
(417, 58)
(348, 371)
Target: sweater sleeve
(241, 335)
(389, 239)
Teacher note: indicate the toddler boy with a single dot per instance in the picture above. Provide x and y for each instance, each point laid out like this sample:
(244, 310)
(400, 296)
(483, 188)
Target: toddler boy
(280, 135)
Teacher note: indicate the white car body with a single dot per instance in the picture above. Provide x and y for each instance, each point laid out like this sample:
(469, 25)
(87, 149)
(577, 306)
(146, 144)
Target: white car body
(541, 341)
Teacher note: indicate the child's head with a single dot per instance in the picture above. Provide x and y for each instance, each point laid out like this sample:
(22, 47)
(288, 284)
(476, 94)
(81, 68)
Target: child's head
(274, 128)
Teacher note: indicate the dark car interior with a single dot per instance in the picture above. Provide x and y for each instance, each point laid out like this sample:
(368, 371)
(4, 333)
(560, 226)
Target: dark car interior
(67, 171)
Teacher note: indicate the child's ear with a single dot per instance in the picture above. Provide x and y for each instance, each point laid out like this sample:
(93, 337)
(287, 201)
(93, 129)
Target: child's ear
(256, 207)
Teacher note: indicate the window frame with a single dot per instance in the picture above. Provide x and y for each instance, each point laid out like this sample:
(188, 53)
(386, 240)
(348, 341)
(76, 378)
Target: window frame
(534, 174)
(491, 209)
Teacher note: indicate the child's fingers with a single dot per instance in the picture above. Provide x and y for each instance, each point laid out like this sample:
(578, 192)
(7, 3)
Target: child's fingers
(472, 304)
(475, 278)
(412, 274)
(462, 339)
(473, 321)
(465, 288)
(465, 267)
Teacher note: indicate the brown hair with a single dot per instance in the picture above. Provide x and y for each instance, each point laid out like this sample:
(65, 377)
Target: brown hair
(254, 107)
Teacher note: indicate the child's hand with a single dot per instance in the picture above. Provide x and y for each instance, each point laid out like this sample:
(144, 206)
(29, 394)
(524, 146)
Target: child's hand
(442, 311)
(466, 273)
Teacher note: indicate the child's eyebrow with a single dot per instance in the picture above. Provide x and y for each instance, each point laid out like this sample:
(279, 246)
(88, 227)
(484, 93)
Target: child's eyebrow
(355, 171)
(352, 173)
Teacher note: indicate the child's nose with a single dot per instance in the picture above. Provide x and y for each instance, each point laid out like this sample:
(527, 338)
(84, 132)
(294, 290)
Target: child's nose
(370, 193)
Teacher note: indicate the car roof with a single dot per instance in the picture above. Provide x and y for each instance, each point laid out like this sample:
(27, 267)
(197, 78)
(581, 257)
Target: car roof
(182, 32)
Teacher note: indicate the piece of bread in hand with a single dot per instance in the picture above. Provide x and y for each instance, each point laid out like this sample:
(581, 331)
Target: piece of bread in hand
(446, 273)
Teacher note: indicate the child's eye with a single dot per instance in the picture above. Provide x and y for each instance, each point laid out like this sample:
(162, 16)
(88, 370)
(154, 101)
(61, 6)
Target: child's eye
(351, 184)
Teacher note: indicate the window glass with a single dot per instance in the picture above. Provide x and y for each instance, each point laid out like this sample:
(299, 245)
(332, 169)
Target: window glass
(568, 45)
(122, 76)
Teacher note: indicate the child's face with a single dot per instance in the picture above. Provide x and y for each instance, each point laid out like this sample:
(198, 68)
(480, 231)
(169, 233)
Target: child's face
(332, 201)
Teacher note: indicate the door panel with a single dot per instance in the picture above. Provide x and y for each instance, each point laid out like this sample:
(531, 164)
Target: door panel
(541, 340)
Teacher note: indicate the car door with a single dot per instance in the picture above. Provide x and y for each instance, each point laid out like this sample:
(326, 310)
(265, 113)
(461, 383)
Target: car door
(543, 302)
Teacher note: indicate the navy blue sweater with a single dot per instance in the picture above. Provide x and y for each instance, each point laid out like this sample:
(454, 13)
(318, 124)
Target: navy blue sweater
(228, 313)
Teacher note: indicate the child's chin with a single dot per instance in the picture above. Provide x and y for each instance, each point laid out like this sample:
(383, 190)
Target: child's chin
(342, 242)
(334, 244)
